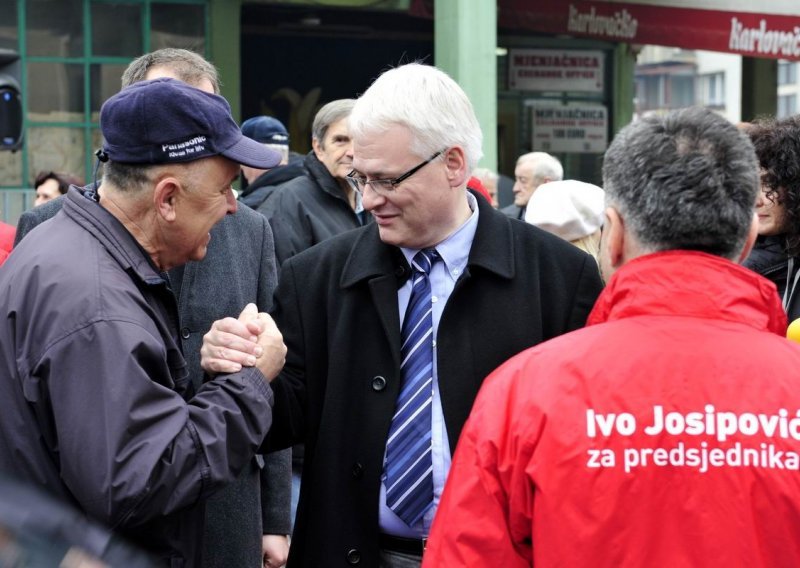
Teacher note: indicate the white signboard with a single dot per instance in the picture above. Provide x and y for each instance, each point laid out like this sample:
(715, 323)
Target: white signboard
(577, 129)
(556, 70)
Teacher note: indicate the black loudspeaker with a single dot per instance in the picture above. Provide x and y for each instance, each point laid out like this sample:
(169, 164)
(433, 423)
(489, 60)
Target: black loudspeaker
(10, 101)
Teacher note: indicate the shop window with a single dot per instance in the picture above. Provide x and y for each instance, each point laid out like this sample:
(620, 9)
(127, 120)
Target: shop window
(55, 148)
(9, 32)
(712, 89)
(681, 91)
(55, 92)
(787, 105)
(787, 73)
(54, 28)
(106, 82)
(109, 39)
(178, 25)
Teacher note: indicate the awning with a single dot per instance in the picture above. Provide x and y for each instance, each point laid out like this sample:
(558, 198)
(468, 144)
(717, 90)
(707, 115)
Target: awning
(755, 28)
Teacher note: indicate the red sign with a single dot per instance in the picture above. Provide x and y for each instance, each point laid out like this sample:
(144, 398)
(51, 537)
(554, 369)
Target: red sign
(752, 28)
(745, 33)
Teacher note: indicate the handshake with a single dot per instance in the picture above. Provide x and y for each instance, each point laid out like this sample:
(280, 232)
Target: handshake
(252, 340)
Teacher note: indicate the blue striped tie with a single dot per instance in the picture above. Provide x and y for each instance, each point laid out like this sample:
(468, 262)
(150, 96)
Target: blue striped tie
(409, 468)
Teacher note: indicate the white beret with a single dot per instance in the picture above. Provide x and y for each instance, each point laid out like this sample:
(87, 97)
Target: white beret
(570, 209)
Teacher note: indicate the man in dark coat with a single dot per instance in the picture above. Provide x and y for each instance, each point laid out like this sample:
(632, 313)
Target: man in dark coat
(248, 521)
(319, 204)
(496, 287)
(261, 184)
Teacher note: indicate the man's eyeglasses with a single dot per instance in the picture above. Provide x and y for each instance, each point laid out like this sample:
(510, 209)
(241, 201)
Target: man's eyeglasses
(383, 186)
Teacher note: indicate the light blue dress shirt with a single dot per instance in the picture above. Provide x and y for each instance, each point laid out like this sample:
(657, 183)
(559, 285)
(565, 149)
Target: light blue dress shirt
(454, 253)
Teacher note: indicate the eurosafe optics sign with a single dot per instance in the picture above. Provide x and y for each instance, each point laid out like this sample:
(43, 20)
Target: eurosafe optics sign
(556, 70)
(572, 129)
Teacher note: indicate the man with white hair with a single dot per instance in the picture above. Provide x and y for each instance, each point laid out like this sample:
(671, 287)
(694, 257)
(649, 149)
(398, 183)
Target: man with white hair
(533, 169)
(386, 325)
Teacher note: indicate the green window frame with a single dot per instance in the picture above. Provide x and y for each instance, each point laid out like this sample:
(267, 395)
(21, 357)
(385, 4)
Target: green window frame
(17, 195)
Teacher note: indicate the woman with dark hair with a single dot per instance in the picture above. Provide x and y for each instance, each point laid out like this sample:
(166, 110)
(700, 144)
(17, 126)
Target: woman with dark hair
(776, 255)
(49, 185)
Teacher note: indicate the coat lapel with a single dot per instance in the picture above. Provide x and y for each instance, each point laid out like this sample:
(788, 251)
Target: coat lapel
(385, 269)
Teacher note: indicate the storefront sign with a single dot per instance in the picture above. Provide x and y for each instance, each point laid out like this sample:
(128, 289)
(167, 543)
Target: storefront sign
(747, 27)
(576, 129)
(756, 28)
(555, 70)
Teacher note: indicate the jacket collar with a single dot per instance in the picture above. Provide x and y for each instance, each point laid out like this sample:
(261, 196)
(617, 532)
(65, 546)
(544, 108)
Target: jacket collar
(768, 255)
(693, 284)
(112, 234)
(371, 257)
(323, 178)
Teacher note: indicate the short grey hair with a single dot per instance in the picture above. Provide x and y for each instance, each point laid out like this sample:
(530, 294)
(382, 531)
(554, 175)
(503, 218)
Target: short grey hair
(542, 165)
(687, 180)
(128, 178)
(429, 103)
(332, 112)
(188, 66)
(135, 178)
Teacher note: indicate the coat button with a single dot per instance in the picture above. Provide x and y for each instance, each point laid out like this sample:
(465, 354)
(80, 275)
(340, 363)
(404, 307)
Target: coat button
(378, 383)
(358, 470)
(353, 556)
(185, 333)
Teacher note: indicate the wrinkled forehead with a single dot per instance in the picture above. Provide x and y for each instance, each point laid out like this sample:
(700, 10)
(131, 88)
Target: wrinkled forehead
(382, 150)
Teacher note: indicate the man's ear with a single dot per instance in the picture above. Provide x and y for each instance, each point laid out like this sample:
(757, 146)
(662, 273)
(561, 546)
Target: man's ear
(456, 163)
(752, 235)
(165, 197)
(317, 147)
(614, 238)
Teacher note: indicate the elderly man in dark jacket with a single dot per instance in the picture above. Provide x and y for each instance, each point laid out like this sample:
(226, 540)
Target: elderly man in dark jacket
(391, 328)
(99, 407)
(320, 204)
(247, 523)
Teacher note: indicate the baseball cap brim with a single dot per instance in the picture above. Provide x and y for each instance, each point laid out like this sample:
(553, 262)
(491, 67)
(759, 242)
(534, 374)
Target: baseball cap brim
(248, 152)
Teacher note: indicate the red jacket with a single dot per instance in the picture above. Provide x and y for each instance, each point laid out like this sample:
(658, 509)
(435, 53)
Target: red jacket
(7, 233)
(565, 460)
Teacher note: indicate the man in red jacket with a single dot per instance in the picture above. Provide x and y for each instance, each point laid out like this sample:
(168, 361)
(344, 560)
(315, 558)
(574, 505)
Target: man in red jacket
(667, 432)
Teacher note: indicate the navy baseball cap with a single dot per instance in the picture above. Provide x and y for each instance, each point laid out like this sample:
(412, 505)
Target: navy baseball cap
(165, 121)
(266, 130)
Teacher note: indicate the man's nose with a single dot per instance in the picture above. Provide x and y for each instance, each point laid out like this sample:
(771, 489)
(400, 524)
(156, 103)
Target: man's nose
(370, 198)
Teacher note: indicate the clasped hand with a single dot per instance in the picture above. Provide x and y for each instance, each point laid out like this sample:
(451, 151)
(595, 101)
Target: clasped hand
(251, 340)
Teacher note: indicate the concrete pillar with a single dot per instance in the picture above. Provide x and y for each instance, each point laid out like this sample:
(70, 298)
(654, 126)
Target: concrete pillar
(224, 38)
(759, 88)
(622, 90)
(465, 44)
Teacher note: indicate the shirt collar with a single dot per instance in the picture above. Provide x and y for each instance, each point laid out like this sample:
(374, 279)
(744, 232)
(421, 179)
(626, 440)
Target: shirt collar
(454, 250)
